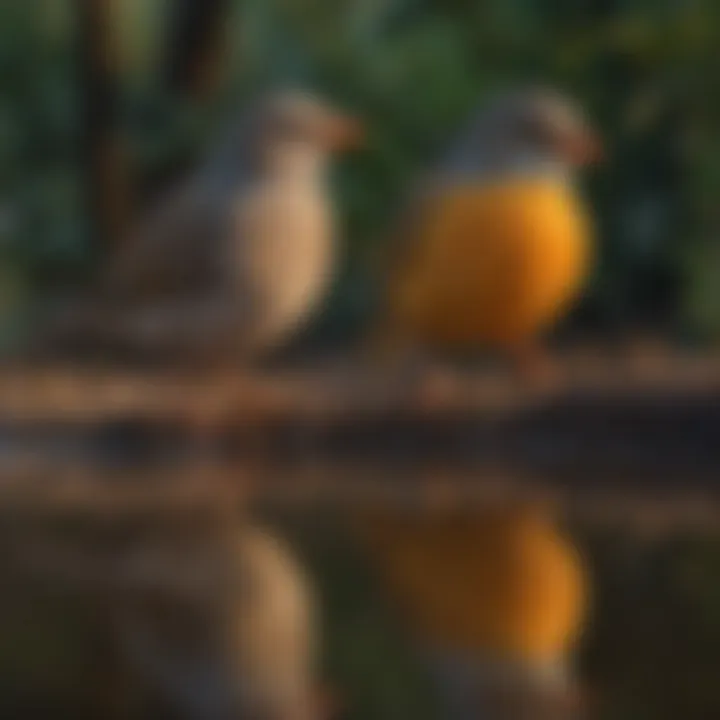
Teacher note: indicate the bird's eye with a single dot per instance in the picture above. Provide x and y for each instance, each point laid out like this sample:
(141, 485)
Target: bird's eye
(281, 127)
(535, 128)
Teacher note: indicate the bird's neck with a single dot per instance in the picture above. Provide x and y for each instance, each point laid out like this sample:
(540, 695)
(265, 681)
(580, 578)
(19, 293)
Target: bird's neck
(223, 178)
(294, 166)
(499, 164)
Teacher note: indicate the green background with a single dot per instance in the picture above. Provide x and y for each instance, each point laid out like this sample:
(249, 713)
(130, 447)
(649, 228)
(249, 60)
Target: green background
(412, 69)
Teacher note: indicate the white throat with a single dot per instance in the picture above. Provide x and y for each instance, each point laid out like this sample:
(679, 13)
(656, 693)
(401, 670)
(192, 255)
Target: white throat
(296, 164)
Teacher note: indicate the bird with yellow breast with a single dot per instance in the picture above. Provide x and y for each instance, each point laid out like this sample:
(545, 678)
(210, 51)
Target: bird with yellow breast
(495, 248)
(496, 244)
(496, 601)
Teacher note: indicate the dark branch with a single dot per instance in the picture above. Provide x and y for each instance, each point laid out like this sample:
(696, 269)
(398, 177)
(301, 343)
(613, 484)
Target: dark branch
(196, 46)
(107, 179)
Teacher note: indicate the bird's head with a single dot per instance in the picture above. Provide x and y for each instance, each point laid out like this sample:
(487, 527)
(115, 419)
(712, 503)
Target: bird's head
(524, 131)
(297, 132)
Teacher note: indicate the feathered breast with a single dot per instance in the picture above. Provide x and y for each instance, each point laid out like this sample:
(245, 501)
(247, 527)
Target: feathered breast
(493, 264)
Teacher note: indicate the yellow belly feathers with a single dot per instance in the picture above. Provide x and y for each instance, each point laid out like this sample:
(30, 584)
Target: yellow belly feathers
(498, 583)
(493, 265)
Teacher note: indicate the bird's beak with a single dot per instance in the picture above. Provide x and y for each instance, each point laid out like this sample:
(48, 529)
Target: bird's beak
(343, 133)
(583, 149)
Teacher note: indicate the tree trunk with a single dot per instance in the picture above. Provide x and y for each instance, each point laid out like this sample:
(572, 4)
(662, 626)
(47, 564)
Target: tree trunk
(195, 50)
(106, 169)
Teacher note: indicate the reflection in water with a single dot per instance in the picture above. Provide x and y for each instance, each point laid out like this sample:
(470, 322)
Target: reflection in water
(66, 547)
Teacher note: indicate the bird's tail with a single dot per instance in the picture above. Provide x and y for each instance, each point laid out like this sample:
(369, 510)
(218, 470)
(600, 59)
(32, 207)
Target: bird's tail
(65, 331)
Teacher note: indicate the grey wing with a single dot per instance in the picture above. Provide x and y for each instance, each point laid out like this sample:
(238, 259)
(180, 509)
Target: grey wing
(167, 291)
(170, 290)
(177, 251)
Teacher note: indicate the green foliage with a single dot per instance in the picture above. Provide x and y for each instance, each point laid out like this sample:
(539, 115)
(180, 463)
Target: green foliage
(412, 69)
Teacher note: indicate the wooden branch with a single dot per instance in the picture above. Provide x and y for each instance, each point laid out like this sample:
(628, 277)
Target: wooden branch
(612, 429)
(335, 390)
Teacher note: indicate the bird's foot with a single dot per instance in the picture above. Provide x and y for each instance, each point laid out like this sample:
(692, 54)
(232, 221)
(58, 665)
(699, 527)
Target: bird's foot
(430, 387)
(536, 369)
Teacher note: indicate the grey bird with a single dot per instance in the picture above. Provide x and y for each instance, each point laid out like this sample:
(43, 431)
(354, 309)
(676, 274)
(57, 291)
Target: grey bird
(191, 614)
(221, 626)
(230, 263)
